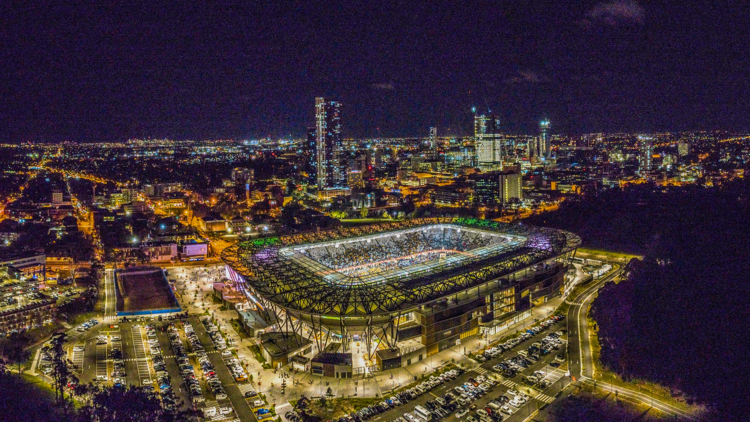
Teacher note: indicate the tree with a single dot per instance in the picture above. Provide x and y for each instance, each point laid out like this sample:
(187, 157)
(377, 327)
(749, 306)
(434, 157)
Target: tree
(408, 206)
(110, 404)
(290, 211)
(14, 349)
(290, 187)
(363, 212)
(76, 246)
(61, 374)
(338, 214)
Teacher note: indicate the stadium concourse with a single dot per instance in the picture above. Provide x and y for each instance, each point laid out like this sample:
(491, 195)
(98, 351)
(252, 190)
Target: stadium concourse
(349, 302)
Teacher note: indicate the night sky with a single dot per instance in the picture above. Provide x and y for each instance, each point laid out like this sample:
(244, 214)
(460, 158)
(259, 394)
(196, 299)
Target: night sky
(109, 71)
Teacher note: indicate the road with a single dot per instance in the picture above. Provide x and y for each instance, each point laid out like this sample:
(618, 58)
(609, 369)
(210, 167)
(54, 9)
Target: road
(231, 388)
(580, 357)
(110, 299)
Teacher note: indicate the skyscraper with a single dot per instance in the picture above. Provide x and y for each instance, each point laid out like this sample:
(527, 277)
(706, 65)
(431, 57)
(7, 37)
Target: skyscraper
(433, 139)
(311, 152)
(531, 147)
(645, 156)
(545, 143)
(488, 142)
(331, 162)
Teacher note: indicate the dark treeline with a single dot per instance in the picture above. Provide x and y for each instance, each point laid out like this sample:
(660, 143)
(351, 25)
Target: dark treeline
(585, 407)
(682, 316)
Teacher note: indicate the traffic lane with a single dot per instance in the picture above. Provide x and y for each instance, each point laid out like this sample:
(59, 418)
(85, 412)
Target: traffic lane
(89, 360)
(585, 346)
(241, 408)
(128, 355)
(579, 356)
(175, 377)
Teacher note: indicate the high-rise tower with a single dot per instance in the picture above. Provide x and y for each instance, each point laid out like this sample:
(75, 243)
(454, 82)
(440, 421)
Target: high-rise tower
(433, 140)
(331, 162)
(311, 152)
(488, 142)
(646, 154)
(545, 143)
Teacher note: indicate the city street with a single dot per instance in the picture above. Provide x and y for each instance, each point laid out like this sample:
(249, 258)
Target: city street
(580, 355)
(110, 297)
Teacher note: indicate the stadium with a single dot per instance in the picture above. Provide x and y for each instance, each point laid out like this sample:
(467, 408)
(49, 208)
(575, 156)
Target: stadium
(403, 290)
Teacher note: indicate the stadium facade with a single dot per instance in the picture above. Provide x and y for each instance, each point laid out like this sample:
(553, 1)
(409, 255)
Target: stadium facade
(400, 292)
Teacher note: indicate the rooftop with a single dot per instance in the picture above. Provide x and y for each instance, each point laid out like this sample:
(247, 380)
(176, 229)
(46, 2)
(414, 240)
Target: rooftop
(278, 344)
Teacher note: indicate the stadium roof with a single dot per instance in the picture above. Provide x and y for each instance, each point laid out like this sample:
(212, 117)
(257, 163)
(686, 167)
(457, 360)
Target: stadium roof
(298, 284)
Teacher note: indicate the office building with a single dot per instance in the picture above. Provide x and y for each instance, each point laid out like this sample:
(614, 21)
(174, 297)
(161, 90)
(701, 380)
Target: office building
(331, 160)
(433, 140)
(645, 156)
(487, 188)
(499, 187)
(683, 148)
(545, 142)
(57, 197)
(532, 149)
(355, 179)
(510, 186)
(311, 155)
(488, 142)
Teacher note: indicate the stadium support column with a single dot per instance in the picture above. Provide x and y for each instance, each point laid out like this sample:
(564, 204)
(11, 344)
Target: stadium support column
(394, 328)
(368, 333)
(296, 329)
(316, 333)
(344, 335)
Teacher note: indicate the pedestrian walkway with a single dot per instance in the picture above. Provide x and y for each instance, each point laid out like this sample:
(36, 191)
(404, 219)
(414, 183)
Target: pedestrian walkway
(479, 370)
(554, 374)
(244, 388)
(509, 383)
(545, 398)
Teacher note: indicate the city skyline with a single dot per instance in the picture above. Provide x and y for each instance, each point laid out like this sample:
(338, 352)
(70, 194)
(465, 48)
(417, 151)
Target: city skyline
(242, 72)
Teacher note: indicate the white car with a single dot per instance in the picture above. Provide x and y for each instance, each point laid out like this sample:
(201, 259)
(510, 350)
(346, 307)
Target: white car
(461, 413)
(225, 410)
(147, 381)
(78, 348)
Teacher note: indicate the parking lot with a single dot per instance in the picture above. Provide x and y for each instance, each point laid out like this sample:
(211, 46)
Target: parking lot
(497, 393)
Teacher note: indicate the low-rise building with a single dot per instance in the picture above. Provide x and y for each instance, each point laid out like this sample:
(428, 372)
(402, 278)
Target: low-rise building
(213, 222)
(27, 316)
(30, 265)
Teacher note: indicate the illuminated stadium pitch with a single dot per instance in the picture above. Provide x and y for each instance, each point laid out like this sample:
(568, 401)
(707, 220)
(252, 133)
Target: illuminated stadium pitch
(379, 258)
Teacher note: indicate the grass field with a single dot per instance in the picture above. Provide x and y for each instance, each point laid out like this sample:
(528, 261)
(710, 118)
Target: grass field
(27, 398)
